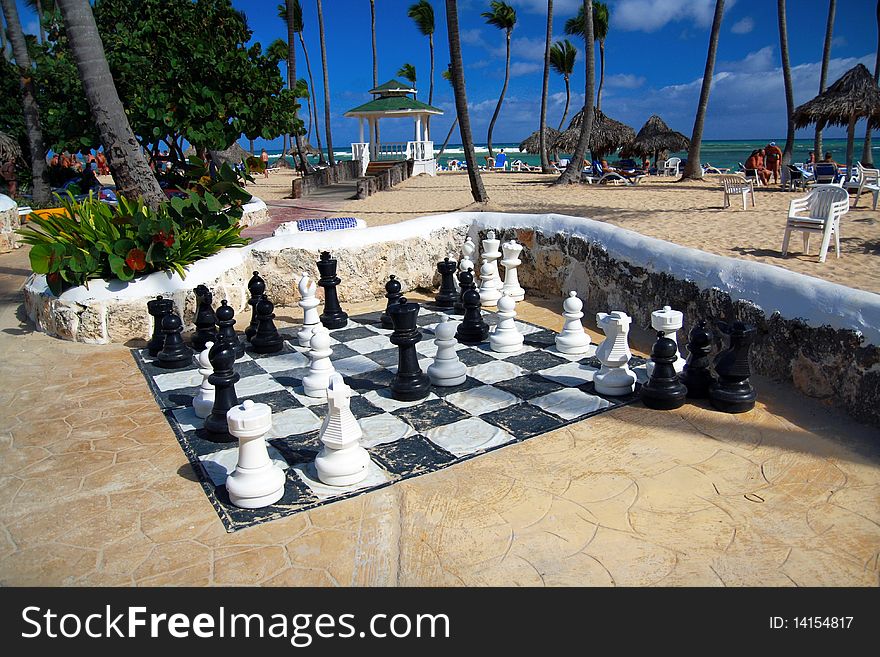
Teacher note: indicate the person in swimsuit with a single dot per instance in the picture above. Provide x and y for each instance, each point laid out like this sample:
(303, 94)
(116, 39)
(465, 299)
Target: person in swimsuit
(774, 160)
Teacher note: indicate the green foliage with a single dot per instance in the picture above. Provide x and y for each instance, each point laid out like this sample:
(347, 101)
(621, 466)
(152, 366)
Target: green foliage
(575, 26)
(502, 16)
(408, 73)
(422, 14)
(562, 58)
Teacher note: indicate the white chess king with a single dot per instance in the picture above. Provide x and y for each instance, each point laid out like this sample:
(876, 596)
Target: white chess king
(614, 378)
(573, 339)
(670, 322)
(511, 263)
(342, 461)
(309, 303)
(446, 370)
(256, 481)
(203, 402)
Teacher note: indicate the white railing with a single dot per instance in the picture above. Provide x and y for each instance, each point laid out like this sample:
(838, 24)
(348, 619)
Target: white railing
(361, 151)
(393, 149)
(420, 150)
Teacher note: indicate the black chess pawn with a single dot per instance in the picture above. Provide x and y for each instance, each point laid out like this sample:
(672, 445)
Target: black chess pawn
(472, 330)
(733, 392)
(206, 320)
(158, 308)
(267, 339)
(447, 294)
(256, 288)
(410, 383)
(392, 293)
(664, 391)
(226, 332)
(175, 354)
(697, 375)
(333, 316)
(224, 378)
(465, 283)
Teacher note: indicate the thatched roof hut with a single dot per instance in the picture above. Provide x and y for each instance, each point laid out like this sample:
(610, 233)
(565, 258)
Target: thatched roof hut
(606, 137)
(654, 138)
(532, 143)
(231, 156)
(10, 149)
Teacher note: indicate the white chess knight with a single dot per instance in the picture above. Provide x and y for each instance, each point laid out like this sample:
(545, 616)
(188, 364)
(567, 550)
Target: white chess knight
(316, 382)
(489, 291)
(309, 303)
(511, 262)
(203, 402)
(573, 339)
(342, 461)
(491, 255)
(468, 249)
(506, 336)
(614, 378)
(446, 370)
(256, 481)
(451, 257)
(670, 322)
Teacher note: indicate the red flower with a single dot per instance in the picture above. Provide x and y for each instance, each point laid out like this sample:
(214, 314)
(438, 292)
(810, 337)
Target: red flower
(136, 260)
(165, 238)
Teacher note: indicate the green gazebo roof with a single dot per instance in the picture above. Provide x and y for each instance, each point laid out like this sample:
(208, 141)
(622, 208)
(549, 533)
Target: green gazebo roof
(393, 86)
(394, 105)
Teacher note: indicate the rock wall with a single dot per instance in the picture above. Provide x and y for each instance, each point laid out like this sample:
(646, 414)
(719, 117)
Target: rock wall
(340, 172)
(384, 180)
(255, 213)
(10, 221)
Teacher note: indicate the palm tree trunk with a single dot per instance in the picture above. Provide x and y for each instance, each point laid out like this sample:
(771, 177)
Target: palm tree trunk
(252, 147)
(572, 173)
(567, 100)
(305, 166)
(431, 82)
(823, 74)
(601, 73)
(693, 170)
(130, 170)
(327, 131)
(29, 105)
(461, 109)
(448, 135)
(375, 136)
(40, 21)
(850, 141)
(314, 101)
(500, 97)
(789, 92)
(867, 153)
(545, 87)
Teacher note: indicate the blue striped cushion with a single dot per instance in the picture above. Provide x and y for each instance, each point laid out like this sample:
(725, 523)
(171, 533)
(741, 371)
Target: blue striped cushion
(333, 223)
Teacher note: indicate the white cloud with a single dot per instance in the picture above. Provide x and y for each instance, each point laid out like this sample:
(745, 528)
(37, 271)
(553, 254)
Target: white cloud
(532, 48)
(624, 81)
(473, 37)
(760, 60)
(743, 26)
(524, 68)
(540, 6)
(651, 15)
(838, 41)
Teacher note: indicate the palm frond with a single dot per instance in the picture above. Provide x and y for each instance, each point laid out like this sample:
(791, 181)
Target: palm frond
(423, 14)
(502, 15)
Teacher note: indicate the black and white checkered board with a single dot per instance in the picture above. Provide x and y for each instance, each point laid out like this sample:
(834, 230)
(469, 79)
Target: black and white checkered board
(506, 398)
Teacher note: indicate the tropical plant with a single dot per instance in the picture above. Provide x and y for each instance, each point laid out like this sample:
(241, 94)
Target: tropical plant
(693, 170)
(313, 112)
(292, 81)
(447, 75)
(575, 27)
(423, 14)
(502, 16)
(789, 92)
(456, 68)
(823, 73)
(408, 73)
(330, 157)
(867, 153)
(562, 58)
(545, 89)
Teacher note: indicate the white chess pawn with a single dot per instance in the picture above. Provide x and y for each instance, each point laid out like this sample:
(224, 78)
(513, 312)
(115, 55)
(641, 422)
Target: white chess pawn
(203, 402)
(256, 481)
(321, 368)
(511, 262)
(573, 339)
(342, 461)
(670, 322)
(491, 255)
(506, 337)
(614, 378)
(489, 291)
(309, 303)
(447, 369)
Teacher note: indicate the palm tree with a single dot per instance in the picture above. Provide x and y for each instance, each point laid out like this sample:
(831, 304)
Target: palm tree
(464, 122)
(375, 137)
(502, 16)
(330, 157)
(447, 75)
(130, 170)
(572, 173)
(693, 170)
(575, 27)
(423, 14)
(562, 58)
(313, 112)
(545, 87)
(867, 153)
(290, 20)
(408, 73)
(823, 74)
(28, 102)
(789, 92)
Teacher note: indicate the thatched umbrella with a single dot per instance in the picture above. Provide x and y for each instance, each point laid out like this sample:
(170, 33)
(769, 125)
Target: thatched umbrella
(532, 143)
(654, 138)
(855, 95)
(9, 148)
(606, 136)
(233, 155)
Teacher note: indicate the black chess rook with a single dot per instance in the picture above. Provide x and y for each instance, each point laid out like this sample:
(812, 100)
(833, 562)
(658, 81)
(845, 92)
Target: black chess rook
(266, 340)
(256, 289)
(226, 333)
(224, 378)
(447, 294)
(733, 392)
(697, 374)
(392, 293)
(206, 320)
(175, 354)
(664, 391)
(158, 308)
(410, 383)
(333, 316)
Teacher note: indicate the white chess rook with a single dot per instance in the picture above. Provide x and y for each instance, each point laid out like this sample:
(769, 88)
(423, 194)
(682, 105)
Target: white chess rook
(203, 402)
(309, 303)
(256, 481)
(511, 262)
(446, 370)
(491, 255)
(614, 378)
(316, 382)
(342, 461)
(670, 322)
(573, 339)
(489, 291)
(506, 337)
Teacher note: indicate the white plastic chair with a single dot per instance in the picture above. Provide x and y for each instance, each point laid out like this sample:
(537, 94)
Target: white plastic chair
(670, 167)
(817, 212)
(737, 185)
(866, 180)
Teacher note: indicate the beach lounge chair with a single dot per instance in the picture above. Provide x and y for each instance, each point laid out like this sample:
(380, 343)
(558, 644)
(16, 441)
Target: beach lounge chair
(519, 165)
(826, 173)
(817, 212)
(613, 177)
(715, 170)
(737, 186)
(797, 178)
(670, 166)
(867, 180)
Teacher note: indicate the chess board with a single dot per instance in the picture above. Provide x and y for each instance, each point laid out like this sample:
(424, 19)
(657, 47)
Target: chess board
(506, 398)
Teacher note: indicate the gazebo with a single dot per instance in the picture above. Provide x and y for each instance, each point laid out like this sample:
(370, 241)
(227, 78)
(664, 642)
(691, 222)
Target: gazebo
(391, 100)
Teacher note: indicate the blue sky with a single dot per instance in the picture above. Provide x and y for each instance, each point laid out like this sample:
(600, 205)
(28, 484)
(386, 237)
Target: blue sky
(655, 56)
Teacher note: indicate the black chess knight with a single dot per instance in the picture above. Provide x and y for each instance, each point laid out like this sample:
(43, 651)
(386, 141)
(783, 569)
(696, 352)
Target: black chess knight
(733, 392)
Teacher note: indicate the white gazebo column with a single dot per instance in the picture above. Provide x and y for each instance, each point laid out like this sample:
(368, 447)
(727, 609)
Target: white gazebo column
(361, 129)
(427, 123)
(373, 145)
(418, 127)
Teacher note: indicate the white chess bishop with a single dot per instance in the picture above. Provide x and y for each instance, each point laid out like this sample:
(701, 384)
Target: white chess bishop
(309, 303)
(511, 263)
(670, 322)
(447, 369)
(614, 378)
(342, 461)
(573, 339)
(506, 336)
(256, 481)
(316, 382)
(203, 402)
(491, 255)
(489, 291)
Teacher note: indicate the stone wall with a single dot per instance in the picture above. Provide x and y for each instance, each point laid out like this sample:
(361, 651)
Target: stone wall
(10, 221)
(384, 180)
(339, 172)
(255, 212)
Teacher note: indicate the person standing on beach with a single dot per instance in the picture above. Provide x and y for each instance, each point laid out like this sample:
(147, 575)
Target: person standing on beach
(774, 160)
(264, 156)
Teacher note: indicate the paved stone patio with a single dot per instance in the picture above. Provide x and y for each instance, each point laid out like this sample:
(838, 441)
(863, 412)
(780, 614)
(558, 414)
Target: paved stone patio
(95, 490)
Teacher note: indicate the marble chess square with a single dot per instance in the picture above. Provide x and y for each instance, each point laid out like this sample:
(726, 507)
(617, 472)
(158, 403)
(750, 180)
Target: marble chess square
(482, 399)
(430, 414)
(306, 472)
(496, 370)
(541, 339)
(468, 436)
(367, 319)
(385, 357)
(291, 378)
(427, 348)
(445, 391)
(427, 318)
(570, 403)
(641, 372)
(178, 397)
(280, 363)
(187, 419)
(522, 420)
(589, 353)
(278, 401)
(486, 348)
(383, 428)
(372, 380)
(537, 359)
(383, 399)
(528, 386)
(219, 465)
(370, 343)
(175, 379)
(293, 421)
(570, 374)
(354, 365)
(249, 386)
(413, 455)
(298, 448)
(346, 335)
(341, 351)
(526, 329)
(473, 356)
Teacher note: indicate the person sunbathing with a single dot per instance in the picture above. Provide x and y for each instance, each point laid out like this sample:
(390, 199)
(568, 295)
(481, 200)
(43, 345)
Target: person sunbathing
(607, 168)
(756, 162)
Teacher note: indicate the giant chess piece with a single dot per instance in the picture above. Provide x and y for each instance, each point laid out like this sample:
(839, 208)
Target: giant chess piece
(226, 332)
(333, 316)
(446, 295)
(447, 369)
(224, 378)
(393, 294)
(203, 402)
(472, 330)
(506, 336)
(669, 322)
(266, 340)
(206, 320)
(465, 282)
(614, 378)
(256, 288)
(316, 382)
(409, 383)
(489, 291)
(733, 392)
(309, 303)
(468, 250)
(158, 308)
(342, 461)
(696, 375)
(663, 391)
(573, 339)
(491, 255)
(511, 263)
(256, 481)
(175, 354)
